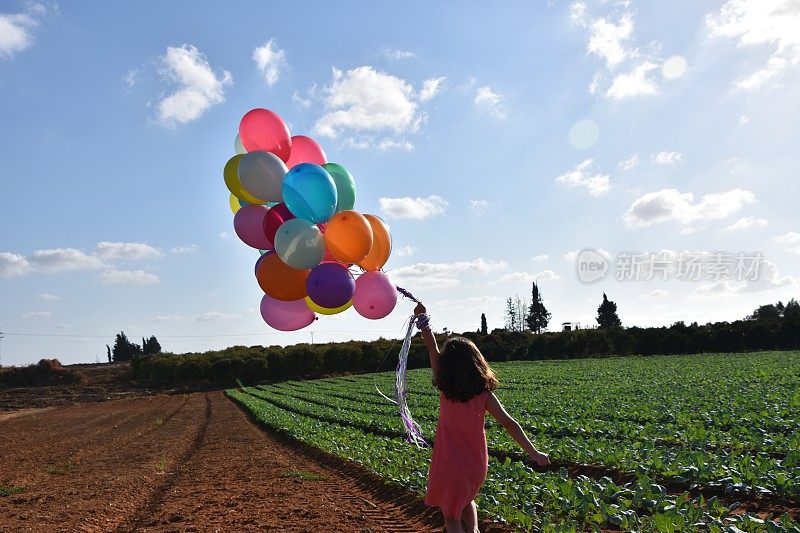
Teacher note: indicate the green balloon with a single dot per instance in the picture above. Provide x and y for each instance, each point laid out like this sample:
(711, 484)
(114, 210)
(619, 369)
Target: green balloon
(345, 186)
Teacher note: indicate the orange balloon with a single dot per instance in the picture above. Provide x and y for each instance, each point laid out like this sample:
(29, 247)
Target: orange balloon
(381, 244)
(348, 236)
(281, 281)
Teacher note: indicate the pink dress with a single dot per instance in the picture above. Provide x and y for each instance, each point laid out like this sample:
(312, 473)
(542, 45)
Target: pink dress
(460, 458)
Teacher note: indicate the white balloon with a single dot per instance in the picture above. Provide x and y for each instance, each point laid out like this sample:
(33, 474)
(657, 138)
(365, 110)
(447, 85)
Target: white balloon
(238, 146)
(261, 174)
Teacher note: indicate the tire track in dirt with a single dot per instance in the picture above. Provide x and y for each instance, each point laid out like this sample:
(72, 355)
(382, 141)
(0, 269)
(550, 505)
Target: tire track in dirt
(145, 513)
(117, 463)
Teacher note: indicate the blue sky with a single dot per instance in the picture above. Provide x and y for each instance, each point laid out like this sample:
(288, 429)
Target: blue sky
(495, 141)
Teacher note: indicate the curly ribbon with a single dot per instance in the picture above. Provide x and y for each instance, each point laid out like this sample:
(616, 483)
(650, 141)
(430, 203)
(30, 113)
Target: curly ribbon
(413, 431)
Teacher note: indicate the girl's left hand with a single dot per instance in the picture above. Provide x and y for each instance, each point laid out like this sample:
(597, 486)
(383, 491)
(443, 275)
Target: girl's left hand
(541, 459)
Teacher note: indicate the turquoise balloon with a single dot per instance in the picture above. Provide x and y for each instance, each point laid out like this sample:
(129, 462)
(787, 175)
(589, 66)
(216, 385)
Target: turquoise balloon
(345, 186)
(300, 243)
(310, 192)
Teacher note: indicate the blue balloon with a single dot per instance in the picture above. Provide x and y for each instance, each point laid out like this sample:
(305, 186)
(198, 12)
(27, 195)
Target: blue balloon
(310, 192)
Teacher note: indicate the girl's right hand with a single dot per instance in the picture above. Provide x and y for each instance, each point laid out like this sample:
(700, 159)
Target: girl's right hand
(420, 310)
(540, 458)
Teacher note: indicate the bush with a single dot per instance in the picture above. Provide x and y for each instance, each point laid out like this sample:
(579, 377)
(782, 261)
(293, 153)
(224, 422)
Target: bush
(254, 364)
(47, 372)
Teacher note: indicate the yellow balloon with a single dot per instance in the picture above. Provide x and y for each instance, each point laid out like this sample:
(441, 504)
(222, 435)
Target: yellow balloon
(325, 310)
(231, 174)
(235, 205)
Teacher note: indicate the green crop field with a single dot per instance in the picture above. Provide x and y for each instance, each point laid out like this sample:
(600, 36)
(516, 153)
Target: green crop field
(676, 443)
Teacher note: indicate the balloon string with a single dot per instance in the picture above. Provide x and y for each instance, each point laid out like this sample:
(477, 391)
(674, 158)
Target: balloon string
(413, 431)
(407, 294)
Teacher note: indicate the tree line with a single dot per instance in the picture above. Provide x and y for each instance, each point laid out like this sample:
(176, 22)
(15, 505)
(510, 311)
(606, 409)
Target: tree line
(769, 327)
(533, 316)
(125, 350)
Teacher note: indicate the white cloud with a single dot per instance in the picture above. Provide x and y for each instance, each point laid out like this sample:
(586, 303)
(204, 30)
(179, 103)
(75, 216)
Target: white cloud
(136, 277)
(303, 103)
(168, 318)
(630, 163)
(16, 29)
(744, 120)
(667, 158)
(573, 254)
(748, 222)
(405, 251)
(394, 54)
(130, 78)
(790, 241)
(490, 101)
(606, 39)
(208, 316)
(199, 87)
(185, 249)
(390, 144)
(63, 326)
(525, 277)
(270, 60)
(766, 23)
(672, 205)
(413, 208)
(364, 99)
(444, 275)
(13, 265)
(63, 259)
(72, 259)
(768, 279)
(481, 207)
(634, 83)
(430, 88)
(369, 143)
(125, 251)
(47, 297)
(215, 316)
(224, 235)
(581, 176)
(658, 294)
(792, 237)
(45, 315)
(540, 258)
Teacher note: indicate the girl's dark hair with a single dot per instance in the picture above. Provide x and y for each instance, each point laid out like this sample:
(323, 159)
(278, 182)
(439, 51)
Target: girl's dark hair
(463, 371)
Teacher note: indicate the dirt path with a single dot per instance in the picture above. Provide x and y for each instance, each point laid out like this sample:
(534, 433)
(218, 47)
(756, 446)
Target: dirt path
(181, 463)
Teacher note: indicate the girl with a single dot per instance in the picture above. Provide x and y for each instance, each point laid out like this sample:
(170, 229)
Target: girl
(460, 458)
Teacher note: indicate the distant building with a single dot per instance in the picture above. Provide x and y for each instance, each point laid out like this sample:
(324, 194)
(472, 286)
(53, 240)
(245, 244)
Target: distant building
(570, 326)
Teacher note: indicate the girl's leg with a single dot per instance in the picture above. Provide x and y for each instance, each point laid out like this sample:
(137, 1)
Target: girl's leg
(453, 525)
(470, 516)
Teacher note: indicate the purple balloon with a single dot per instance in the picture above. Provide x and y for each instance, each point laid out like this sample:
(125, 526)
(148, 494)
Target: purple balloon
(249, 226)
(286, 316)
(375, 295)
(330, 285)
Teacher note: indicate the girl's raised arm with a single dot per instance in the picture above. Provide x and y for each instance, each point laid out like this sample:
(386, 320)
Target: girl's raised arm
(499, 413)
(430, 340)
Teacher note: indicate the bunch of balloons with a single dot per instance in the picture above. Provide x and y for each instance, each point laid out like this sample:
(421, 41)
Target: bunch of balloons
(296, 208)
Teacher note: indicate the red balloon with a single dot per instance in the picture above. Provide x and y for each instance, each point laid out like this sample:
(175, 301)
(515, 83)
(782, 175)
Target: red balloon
(261, 129)
(277, 215)
(305, 150)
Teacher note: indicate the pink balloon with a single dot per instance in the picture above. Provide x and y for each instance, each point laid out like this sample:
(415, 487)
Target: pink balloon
(375, 295)
(286, 316)
(305, 150)
(249, 226)
(261, 129)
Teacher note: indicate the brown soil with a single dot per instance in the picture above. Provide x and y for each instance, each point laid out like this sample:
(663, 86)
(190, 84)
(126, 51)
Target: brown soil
(182, 463)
